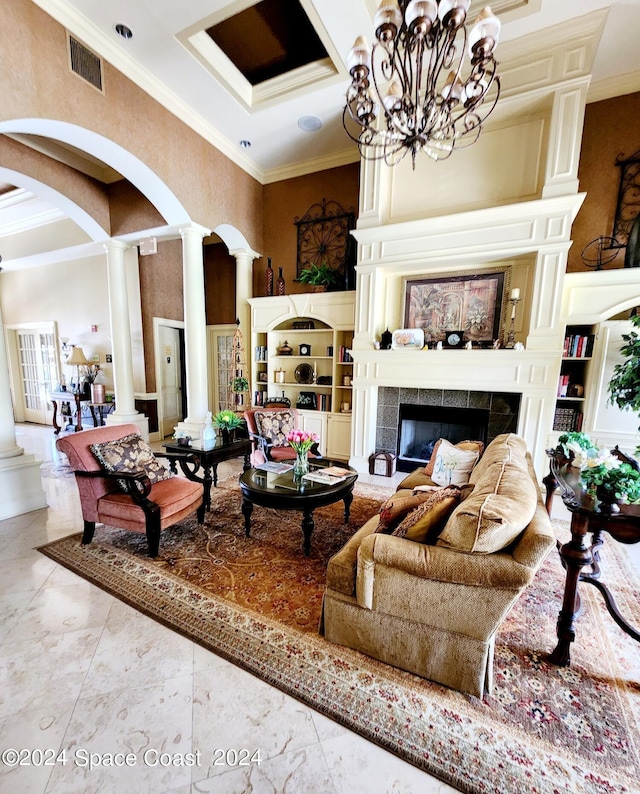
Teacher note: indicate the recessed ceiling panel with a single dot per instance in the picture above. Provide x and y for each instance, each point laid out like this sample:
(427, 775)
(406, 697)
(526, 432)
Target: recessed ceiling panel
(268, 40)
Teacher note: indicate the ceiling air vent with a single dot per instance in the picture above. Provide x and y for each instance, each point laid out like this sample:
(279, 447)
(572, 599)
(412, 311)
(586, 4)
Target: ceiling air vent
(85, 63)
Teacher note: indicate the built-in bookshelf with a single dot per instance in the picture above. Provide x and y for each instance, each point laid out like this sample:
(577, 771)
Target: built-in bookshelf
(571, 393)
(306, 358)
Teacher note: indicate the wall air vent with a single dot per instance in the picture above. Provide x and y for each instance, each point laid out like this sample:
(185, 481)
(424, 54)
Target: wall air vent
(85, 63)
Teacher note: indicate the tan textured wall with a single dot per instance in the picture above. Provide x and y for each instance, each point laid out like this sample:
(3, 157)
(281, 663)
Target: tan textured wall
(36, 83)
(219, 284)
(162, 296)
(291, 198)
(611, 128)
(130, 210)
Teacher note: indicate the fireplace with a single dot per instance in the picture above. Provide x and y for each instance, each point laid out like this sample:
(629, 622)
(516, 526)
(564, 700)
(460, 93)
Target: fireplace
(420, 426)
(491, 413)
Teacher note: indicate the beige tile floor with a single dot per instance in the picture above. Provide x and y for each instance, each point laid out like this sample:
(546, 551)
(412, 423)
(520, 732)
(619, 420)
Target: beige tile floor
(83, 672)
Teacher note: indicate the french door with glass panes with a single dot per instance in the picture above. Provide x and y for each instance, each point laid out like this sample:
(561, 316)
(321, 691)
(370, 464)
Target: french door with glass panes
(221, 366)
(38, 371)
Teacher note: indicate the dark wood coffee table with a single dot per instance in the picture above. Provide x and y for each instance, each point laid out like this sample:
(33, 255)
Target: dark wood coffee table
(283, 492)
(208, 460)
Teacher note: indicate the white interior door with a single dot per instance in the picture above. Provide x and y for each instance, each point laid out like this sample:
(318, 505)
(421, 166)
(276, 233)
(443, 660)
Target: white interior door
(38, 368)
(170, 378)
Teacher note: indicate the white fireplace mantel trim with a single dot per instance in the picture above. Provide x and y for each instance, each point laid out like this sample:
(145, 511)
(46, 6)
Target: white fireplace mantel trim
(513, 229)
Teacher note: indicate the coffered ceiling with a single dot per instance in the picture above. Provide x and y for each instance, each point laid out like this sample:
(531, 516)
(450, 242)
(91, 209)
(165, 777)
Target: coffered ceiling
(173, 56)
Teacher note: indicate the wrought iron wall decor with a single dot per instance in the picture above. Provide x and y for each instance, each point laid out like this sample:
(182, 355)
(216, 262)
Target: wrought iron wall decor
(324, 238)
(628, 207)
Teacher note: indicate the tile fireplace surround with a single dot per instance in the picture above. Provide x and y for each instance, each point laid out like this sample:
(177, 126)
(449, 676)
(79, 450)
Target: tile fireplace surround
(503, 410)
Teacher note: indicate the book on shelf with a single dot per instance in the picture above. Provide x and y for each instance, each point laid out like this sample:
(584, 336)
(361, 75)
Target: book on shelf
(578, 346)
(563, 385)
(274, 466)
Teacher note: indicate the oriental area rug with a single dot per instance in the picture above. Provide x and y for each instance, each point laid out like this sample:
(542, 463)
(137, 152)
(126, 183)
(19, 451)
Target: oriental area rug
(257, 601)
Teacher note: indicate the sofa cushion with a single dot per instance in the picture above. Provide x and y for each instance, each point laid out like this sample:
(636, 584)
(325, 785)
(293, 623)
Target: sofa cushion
(275, 426)
(501, 505)
(416, 478)
(428, 469)
(425, 522)
(341, 568)
(506, 447)
(130, 454)
(453, 465)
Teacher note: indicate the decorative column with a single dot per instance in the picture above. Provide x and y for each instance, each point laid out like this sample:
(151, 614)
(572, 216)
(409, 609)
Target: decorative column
(20, 483)
(125, 410)
(195, 329)
(244, 290)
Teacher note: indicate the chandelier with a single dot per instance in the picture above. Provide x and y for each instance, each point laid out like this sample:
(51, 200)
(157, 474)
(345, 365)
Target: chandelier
(408, 92)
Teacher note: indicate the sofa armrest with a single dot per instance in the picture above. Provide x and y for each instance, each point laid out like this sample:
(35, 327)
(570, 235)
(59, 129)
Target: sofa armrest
(443, 565)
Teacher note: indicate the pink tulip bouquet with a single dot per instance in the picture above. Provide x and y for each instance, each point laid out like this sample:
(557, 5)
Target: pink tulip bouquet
(302, 441)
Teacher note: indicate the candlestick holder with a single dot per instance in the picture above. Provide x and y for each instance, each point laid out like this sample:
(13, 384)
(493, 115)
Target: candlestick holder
(511, 336)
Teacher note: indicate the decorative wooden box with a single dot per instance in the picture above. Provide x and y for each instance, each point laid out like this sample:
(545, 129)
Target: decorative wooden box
(383, 463)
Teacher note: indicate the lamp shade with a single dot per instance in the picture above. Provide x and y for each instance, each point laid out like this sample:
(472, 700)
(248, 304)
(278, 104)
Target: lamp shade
(76, 357)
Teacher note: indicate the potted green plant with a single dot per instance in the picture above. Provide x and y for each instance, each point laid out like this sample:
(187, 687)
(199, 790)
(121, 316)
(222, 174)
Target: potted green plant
(611, 480)
(239, 384)
(321, 277)
(624, 386)
(227, 422)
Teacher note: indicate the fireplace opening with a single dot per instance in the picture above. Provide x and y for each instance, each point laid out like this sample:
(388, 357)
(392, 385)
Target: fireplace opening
(420, 426)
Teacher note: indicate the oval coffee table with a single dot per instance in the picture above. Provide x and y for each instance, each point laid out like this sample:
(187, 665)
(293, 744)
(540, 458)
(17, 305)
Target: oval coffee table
(283, 492)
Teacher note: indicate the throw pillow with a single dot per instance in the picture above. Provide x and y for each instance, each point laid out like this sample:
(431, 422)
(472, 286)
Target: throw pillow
(129, 454)
(425, 522)
(275, 426)
(428, 469)
(394, 509)
(471, 446)
(453, 465)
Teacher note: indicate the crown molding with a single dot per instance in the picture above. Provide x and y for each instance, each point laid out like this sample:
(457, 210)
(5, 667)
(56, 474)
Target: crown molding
(614, 86)
(335, 160)
(93, 37)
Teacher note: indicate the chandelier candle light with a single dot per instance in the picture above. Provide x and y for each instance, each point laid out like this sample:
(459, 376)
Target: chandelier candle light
(408, 92)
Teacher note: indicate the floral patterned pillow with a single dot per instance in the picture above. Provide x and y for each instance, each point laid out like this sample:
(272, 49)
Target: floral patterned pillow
(130, 454)
(274, 426)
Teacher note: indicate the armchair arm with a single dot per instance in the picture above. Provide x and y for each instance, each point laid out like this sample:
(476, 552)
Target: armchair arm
(137, 482)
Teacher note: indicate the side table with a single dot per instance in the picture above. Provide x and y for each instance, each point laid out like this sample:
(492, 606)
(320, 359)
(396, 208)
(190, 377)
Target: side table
(580, 558)
(208, 460)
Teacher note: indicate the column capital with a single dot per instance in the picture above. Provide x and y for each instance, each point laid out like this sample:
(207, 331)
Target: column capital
(112, 244)
(193, 229)
(240, 253)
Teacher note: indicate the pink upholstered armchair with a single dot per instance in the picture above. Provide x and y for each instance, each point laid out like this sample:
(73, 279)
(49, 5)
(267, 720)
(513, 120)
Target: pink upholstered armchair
(268, 428)
(134, 493)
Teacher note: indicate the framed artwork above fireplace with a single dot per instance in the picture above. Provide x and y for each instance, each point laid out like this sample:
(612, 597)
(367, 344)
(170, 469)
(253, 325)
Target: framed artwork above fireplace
(471, 302)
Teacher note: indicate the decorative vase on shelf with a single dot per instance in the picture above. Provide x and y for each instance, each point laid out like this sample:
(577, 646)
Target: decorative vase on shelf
(300, 465)
(268, 279)
(280, 283)
(209, 432)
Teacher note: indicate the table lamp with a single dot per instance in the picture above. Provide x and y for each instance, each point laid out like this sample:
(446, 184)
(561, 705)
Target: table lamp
(77, 359)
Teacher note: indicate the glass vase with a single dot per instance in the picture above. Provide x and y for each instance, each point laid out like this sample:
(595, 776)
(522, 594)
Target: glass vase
(300, 464)
(280, 283)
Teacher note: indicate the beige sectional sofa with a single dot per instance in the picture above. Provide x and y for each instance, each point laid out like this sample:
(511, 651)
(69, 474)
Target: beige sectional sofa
(434, 608)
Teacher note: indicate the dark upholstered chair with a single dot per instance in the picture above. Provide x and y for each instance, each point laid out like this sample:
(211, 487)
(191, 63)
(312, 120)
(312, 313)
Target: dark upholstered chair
(268, 428)
(145, 506)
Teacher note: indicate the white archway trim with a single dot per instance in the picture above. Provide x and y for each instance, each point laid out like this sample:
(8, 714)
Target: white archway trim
(111, 153)
(235, 241)
(78, 215)
(590, 298)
